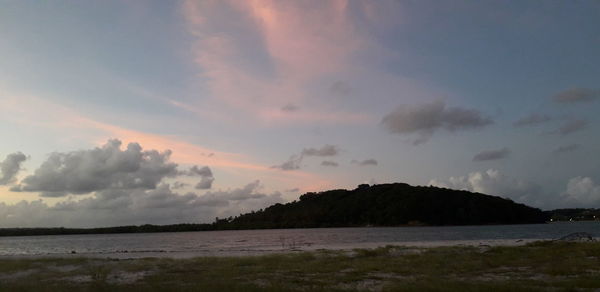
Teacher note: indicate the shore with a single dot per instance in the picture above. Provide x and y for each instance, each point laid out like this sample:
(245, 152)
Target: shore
(540, 265)
(284, 248)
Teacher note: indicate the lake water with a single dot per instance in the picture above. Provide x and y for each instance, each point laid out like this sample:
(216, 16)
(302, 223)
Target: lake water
(248, 242)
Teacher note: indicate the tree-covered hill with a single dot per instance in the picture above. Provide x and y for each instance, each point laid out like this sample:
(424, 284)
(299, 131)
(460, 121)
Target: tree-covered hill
(388, 205)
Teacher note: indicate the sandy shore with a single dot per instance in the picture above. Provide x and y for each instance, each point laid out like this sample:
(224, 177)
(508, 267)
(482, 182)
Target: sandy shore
(275, 250)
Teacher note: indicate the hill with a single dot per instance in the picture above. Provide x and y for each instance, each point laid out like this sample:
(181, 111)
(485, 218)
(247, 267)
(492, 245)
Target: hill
(388, 205)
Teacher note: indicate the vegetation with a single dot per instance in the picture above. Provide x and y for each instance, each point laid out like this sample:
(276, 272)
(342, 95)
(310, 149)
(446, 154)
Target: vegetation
(105, 230)
(388, 205)
(378, 205)
(531, 267)
(577, 214)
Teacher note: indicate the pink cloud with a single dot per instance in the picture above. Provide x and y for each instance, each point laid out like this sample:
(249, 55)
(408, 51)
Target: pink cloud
(292, 45)
(305, 39)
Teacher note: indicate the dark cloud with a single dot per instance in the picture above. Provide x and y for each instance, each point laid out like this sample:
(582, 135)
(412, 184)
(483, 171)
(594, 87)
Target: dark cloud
(327, 150)
(340, 88)
(365, 162)
(293, 190)
(492, 154)
(425, 119)
(329, 163)
(532, 120)
(205, 183)
(291, 164)
(106, 167)
(567, 148)
(198, 171)
(577, 95)
(570, 126)
(290, 108)
(10, 167)
(206, 176)
(178, 185)
(295, 161)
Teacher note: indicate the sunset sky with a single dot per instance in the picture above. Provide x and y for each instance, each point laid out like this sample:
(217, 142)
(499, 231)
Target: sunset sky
(133, 112)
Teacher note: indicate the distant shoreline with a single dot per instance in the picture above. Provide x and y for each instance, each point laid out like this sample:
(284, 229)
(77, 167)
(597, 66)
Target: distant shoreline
(9, 232)
(148, 228)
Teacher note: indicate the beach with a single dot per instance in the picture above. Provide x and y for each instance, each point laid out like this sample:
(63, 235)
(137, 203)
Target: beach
(261, 251)
(493, 265)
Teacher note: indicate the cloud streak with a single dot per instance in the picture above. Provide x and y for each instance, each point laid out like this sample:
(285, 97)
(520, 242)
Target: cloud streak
(290, 108)
(365, 162)
(577, 95)
(495, 154)
(326, 150)
(566, 148)
(569, 127)
(286, 45)
(329, 163)
(532, 120)
(295, 161)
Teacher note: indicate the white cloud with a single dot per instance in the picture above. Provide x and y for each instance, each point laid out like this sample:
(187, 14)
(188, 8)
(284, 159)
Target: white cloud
(582, 192)
(493, 182)
(106, 167)
(126, 207)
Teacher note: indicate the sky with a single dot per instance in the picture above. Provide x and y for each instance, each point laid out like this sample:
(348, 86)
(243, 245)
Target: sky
(161, 112)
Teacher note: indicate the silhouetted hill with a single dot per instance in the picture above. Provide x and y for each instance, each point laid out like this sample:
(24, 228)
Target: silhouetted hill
(388, 205)
(378, 205)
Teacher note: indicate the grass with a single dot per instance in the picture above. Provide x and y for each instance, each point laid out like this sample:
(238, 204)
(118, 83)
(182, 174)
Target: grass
(539, 266)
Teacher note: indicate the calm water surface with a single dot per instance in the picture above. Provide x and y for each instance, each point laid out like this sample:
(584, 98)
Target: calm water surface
(185, 244)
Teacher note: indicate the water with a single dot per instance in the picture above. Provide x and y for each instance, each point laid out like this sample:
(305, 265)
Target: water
(243, 242)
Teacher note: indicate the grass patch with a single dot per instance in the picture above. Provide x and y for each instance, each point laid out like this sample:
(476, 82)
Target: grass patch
(538, 266)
